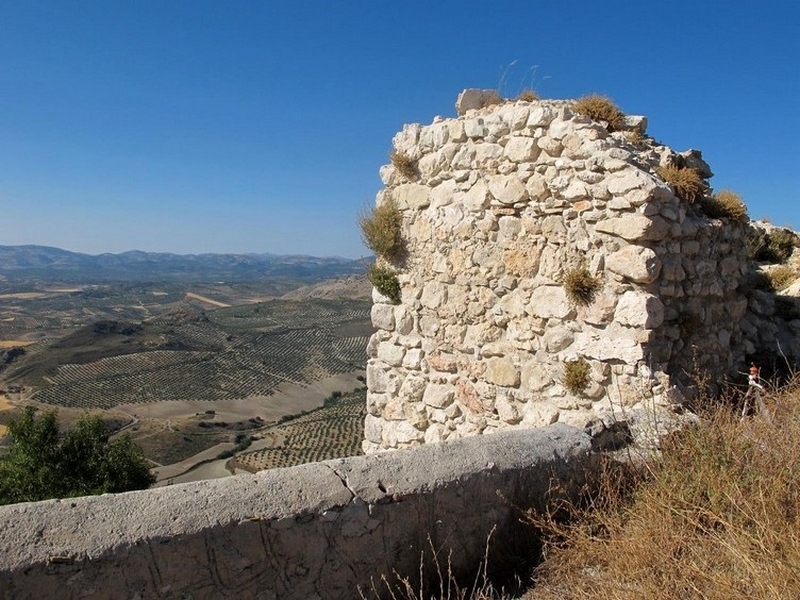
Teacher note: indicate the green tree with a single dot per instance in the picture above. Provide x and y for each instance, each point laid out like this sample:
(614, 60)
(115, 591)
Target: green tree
(40, 463)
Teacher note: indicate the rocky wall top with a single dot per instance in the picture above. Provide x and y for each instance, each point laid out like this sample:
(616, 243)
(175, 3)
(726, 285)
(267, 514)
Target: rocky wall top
(502, 204)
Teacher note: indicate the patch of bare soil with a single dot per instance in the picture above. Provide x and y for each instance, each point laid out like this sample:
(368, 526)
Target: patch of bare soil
(289, 399)
(354, 288)
(178, 437)
(207, 300)
(14, 343)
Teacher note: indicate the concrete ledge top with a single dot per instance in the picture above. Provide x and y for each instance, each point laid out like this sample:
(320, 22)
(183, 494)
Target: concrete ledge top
(90, 527)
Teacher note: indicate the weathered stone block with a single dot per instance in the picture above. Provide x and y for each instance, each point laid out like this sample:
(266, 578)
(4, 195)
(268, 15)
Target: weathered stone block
(635, 228)
(550, 302)
(507, 189)
(438, 395)
(636, 263)
(639, 309)
(382, 316)
(501, 371)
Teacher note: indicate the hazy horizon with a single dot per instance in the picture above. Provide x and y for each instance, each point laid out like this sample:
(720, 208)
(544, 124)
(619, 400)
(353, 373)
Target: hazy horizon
(287, 254)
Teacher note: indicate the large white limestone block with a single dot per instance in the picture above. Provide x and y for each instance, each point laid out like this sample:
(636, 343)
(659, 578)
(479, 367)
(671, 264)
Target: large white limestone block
(382, 316)
(438, 395)
(501, 371)
(639, 309)
(616, 342)
(634, 227)
(521, 149)
(508, 189)
(636, 263)
(412, 196)
(550, 302)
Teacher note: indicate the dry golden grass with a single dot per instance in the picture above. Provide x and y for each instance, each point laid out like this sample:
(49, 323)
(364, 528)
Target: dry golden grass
(580, 286)
(717, 516)
(14, 343)
(405, 165)
(576, 375)
(687, 183)
(381, 230)
(773, 246)
(635, 137)
(725, 205)
(600, 108)
(781, 277)
(528, 96)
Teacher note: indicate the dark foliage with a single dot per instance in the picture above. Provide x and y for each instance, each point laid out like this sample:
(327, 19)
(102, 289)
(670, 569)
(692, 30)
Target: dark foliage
(41, 463)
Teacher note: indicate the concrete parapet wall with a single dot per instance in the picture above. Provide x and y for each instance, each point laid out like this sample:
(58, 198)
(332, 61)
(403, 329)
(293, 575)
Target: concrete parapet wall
(320, 530)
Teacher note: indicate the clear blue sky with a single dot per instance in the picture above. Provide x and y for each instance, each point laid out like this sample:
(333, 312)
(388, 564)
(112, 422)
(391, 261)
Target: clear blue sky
(196, 126)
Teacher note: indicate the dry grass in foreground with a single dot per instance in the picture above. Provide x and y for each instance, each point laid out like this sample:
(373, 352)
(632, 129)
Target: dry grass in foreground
(717, 516)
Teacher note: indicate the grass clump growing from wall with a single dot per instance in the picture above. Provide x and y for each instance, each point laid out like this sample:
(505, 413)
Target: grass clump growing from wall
(405, 165)
(781, 276)
(580, 286)
(687, 182)
(725, 205)
(381, 230)
(600, 108)
(775, 246)
(715, 516)
(528, 96)
(385, 281)
(576, 376)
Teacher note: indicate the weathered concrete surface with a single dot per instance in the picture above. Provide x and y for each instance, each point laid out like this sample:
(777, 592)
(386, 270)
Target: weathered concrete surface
(313, 531)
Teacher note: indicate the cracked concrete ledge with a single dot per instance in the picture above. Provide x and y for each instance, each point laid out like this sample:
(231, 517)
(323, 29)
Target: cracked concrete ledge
(320, 530)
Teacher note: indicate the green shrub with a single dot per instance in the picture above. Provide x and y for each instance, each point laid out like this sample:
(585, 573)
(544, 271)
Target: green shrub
(385, 281)
(580, 286)
(576, 375)
(404, 164)
(600, 108)
(381, 230)
(687, 182)
(41, 463)
(725, 205)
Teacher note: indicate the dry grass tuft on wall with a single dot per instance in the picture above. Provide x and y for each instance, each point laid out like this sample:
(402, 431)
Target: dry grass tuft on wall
(580, 286)
(600, 108)
(576, 376)
(405, 165)
(528, 96)
(381, 230)
(687, 182)
(725, 205)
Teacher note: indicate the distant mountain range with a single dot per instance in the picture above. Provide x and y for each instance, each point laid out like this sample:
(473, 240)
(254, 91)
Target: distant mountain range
(43, 262)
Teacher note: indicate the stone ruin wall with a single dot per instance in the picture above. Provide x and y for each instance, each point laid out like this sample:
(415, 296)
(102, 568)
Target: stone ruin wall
(506, 199)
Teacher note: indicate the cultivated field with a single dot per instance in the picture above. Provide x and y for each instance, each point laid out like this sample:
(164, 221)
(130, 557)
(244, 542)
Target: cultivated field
(195, 373)
(334, 431)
